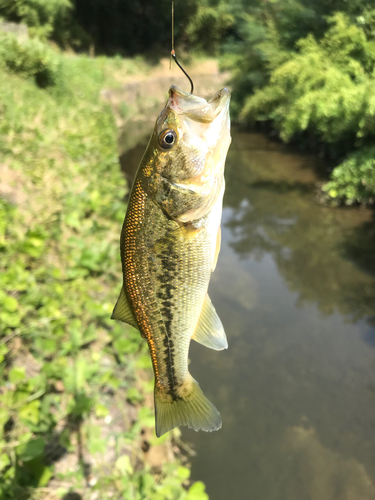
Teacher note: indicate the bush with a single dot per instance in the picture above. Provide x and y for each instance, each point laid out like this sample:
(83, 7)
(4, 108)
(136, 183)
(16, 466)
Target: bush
(325, 89)
(209, 26)
(354, 179)
(323, 93)
(31, 59)
(42, 17)
(252, 60)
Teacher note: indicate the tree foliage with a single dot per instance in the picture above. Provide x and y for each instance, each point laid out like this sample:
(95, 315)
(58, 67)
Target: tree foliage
(314, 82)
(209, 25)
(44, 18)
(326, 88)
(305, 66)
(30, 58)
(127, 26)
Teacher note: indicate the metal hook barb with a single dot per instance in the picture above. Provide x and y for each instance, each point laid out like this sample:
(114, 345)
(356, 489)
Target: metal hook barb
(182, 69)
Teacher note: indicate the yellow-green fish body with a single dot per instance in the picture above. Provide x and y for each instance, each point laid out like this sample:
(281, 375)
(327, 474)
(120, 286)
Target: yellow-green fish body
(169, 246)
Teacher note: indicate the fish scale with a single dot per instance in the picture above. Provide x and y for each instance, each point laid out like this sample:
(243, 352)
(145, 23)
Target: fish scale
(163, 282)
(169, 245)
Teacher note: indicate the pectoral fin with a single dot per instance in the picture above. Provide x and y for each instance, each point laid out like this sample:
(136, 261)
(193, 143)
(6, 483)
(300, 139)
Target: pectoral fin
(217, 249)
(210, 331)
(123, 312)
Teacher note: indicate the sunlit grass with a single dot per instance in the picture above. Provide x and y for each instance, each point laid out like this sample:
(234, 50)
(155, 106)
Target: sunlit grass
(65, 365)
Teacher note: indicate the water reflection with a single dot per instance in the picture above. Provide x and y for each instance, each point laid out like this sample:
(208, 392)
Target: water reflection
(295, 386)
(324, 254)
(361, 244)
(318, 470)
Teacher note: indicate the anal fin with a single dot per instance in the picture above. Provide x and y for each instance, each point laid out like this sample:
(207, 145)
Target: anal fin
(210, 330)
(123, 312)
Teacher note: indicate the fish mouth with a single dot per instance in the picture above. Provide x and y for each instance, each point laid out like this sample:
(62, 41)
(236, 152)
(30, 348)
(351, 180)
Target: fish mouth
(197, 108)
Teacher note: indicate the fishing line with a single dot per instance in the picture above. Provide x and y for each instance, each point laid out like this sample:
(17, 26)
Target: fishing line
(173, 54)
(172, 26)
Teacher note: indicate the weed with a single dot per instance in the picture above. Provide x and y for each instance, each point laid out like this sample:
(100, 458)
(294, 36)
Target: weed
(67, 371)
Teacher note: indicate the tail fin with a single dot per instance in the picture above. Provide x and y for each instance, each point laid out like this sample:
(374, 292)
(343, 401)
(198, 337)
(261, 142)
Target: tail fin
(193, 410)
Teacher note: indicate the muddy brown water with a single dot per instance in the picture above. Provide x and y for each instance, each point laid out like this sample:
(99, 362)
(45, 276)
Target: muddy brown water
(295, 289)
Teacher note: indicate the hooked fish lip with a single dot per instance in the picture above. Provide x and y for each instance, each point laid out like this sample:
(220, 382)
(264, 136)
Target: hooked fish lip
(196, 107)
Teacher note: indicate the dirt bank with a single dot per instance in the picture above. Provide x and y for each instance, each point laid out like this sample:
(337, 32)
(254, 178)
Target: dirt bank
(139, 98)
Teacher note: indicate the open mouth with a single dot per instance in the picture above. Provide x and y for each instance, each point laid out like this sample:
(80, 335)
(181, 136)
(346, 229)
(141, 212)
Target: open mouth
(197, 108)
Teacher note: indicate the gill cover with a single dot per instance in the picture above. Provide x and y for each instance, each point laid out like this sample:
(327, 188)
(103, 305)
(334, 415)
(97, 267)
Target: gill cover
(193, 137)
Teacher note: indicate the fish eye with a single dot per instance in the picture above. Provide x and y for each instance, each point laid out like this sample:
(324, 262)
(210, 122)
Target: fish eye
(167, 138)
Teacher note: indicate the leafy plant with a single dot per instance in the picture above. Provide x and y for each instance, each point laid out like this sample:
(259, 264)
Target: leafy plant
(42, 17)
(31, 59)
(209, 26)
(354, 179)
(322, 94)
(63, 363)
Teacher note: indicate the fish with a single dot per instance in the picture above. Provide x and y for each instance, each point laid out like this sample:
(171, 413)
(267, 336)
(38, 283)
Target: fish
(169, 247)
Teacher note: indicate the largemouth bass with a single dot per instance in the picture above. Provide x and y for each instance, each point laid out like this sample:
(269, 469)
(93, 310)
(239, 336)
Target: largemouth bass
(169, 246)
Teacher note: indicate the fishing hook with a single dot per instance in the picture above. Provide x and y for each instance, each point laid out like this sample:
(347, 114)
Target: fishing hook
(173, 54)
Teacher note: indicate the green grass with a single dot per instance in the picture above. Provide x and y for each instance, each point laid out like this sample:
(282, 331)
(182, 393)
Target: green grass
(64, 363)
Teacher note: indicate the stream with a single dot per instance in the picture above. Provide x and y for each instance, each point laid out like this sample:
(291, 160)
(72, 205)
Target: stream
(295, 289)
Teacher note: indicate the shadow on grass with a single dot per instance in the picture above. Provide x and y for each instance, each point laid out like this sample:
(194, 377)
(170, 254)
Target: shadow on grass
(72, 496)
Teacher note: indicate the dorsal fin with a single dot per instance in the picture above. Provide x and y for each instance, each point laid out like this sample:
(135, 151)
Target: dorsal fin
(210, 331)
(123, 312)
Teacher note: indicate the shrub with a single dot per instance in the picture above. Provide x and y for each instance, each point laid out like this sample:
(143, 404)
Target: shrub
(320, 93)
(31, 59)
(324, 89)
(209, 26)
(354, 179)
(41, 16)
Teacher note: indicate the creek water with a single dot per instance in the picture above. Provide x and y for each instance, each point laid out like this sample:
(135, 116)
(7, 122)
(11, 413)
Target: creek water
(295, 289)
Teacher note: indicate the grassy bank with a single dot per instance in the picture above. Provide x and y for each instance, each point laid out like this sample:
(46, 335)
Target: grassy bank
(69, 391)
